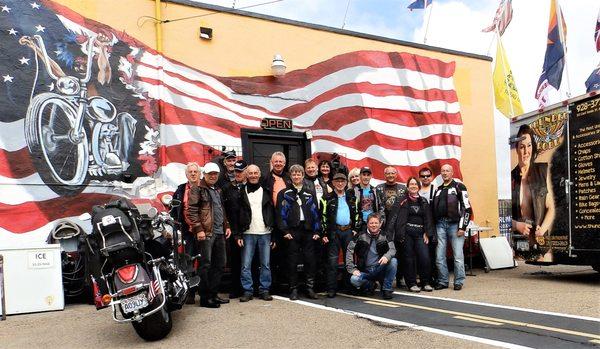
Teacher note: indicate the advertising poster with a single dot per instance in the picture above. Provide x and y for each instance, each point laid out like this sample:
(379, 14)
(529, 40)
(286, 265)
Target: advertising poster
(539, 163)
(584, 144)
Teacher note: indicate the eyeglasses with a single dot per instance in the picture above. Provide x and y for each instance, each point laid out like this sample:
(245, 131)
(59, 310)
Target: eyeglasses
(425, 176)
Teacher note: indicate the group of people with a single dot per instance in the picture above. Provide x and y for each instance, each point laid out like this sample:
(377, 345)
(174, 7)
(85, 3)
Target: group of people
(321, 218)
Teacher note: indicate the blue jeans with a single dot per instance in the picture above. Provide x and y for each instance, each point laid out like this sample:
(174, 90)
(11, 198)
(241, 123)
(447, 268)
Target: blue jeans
(447, 230)
(251, 242)
(387, 272)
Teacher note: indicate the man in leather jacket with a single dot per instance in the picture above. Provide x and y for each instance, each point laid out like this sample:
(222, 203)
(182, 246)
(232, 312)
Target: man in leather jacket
(208, 222)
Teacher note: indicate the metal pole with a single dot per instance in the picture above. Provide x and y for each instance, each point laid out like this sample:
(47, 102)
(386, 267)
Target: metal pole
(427, 24)
(2, 288)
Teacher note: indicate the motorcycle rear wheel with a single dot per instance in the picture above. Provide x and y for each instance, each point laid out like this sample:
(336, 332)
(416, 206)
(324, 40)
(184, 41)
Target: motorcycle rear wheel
(154, 327)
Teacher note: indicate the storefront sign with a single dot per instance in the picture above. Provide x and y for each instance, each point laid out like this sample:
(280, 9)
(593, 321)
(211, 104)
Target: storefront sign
(276, 124)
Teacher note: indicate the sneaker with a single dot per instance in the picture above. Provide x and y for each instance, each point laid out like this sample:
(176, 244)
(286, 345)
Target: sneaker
(457, 287)
(427, 288)
(311, 294)
(265, 296)
(440, 286)
(414, 288)
(294, 295)
(246, 297)
(331, 294)
(387, 294)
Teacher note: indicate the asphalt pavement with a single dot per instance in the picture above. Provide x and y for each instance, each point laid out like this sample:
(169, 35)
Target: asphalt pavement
(441, 319)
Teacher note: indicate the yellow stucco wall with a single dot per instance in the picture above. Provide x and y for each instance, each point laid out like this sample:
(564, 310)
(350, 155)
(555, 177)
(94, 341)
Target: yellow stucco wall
(244, 46)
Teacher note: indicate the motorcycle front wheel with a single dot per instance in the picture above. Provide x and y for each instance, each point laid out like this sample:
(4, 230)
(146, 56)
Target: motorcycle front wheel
(154, 327)
(61, 162)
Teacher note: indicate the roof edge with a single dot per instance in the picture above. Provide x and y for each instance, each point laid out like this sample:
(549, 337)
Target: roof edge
(217, 8)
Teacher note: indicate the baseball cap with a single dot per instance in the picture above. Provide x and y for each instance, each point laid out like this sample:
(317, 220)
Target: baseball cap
(240, 165)
(339, 175)
(229, 154)
(366, 169)
(211, 167)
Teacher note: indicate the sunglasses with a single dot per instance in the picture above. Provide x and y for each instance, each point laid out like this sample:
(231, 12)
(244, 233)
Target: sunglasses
(425, 176)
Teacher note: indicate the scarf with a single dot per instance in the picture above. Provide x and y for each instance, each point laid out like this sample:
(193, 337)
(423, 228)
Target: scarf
(251, 188)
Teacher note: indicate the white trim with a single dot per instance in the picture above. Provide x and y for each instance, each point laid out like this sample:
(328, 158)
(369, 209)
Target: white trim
(408, 324)
(535, 311)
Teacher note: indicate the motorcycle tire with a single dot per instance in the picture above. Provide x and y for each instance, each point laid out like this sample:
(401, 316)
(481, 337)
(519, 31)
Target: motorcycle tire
(154, 327)
(61, 164)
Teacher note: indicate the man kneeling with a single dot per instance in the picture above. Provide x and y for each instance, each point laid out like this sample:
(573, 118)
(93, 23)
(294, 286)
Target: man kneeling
(374, 256)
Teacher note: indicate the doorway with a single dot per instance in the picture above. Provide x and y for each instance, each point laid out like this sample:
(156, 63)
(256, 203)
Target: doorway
(259, 145)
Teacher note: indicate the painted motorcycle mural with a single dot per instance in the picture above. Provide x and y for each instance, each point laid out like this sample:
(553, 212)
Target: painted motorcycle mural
(72, 136)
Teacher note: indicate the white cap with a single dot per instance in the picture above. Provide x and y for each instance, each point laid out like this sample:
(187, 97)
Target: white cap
(211, 167)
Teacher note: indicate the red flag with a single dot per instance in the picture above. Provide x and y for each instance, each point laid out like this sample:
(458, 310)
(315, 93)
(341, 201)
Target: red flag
(502, 18)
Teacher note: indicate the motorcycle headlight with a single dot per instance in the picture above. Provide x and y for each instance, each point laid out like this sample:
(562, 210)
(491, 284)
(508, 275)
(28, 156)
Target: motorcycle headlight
(68, 85)
(101, 109)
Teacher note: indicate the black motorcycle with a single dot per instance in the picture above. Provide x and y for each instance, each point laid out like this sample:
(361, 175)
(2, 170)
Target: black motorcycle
(137, 267)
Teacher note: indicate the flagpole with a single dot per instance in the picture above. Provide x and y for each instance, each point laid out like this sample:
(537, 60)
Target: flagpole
(508, 89)
(564, 44)
(427, 24)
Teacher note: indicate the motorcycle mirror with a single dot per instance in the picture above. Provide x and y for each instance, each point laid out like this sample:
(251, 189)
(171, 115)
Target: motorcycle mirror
(167, 199)
(85, 217)
(152, 212)
(175, 203)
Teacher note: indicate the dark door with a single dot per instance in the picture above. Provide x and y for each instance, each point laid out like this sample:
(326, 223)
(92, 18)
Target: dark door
(258, 146)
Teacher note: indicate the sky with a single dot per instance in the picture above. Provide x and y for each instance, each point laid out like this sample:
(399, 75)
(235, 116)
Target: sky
(457, 24)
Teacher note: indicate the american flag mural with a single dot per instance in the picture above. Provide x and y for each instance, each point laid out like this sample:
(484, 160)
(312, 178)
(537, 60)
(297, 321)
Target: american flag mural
(149, 115)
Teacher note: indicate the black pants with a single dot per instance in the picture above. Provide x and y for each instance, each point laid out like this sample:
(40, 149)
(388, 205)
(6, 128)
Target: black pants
(340, 240)
(432, 247)
(301, 248)
(400, 258)
(235, 263)
(416, 252)
(212, 262)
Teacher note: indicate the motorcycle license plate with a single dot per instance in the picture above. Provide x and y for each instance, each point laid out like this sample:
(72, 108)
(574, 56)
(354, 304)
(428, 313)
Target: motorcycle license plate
(134, 303)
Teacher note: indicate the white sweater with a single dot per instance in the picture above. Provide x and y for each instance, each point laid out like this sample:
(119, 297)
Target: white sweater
(257, 223)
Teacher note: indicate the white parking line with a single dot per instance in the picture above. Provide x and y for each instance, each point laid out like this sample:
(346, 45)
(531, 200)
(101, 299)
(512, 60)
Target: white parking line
(408, 324)
(587, 318)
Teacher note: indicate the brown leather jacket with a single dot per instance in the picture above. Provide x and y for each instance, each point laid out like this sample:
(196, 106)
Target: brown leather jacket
(200, 212)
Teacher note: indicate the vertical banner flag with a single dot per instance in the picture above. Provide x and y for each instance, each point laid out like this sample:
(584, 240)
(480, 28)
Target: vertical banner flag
(593, 81)
(419, 4)
(597, 33)
(554, 61)
(505, 89)
(502, 18)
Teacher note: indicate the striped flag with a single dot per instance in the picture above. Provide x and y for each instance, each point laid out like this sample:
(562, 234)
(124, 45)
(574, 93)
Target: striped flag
(502, 18)
(153, 290)
(374, 108)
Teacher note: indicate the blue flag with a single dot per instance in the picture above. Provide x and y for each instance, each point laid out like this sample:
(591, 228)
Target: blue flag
(419, 4)
(554, 61)
(593, 82)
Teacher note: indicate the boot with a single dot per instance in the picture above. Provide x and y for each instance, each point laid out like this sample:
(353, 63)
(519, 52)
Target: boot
(294, 295)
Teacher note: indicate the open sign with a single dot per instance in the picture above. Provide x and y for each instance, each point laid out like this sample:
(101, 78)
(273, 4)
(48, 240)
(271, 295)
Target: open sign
(276, 124)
